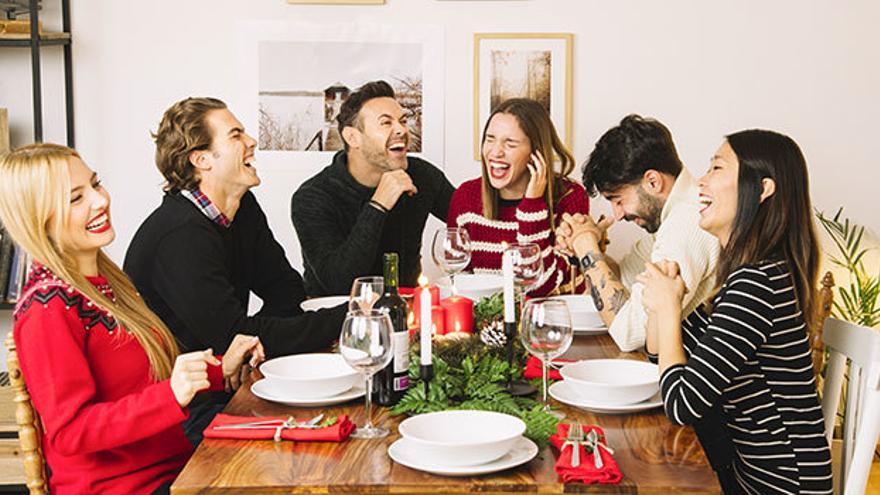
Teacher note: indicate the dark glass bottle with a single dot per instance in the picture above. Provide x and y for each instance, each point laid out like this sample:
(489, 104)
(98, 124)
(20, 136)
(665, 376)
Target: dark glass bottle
(391, 382)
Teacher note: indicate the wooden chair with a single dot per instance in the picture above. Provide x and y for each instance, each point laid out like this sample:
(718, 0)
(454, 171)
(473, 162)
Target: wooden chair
(826, 301)
(860, 346)
(29, 427)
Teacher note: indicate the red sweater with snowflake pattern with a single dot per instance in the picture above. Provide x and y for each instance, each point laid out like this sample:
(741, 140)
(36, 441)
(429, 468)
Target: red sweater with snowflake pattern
(523, 221)
(108, 427)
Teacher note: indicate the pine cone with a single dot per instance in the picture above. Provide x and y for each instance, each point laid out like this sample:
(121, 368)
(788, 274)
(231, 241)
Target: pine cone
(493, 334)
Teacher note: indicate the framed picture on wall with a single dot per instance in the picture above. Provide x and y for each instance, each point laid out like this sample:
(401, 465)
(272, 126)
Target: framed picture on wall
(517, 65)
(340, 2)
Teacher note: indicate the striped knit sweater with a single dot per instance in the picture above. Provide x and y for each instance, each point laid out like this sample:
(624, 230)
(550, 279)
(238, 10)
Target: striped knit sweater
(526, 220)
(752, 355)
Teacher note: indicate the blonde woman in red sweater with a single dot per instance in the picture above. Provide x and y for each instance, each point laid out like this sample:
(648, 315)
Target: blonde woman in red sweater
(102, 370)
(522, 194)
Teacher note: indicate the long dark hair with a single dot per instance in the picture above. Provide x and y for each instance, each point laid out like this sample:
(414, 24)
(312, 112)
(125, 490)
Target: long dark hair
(781, 226)
(534, 120)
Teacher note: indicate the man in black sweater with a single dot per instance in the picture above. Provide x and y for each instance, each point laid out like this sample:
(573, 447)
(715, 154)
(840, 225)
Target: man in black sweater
(371, 200)
(197, 257)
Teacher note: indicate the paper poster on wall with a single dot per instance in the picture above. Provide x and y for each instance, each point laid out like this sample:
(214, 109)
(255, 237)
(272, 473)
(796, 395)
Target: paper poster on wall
(523, 65)
(303, 74)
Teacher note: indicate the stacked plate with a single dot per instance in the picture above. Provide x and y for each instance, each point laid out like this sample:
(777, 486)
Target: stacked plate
(462, 443)
(322, 302)
(585, 318)
(609, 385)
(308, 380)
(474, 286)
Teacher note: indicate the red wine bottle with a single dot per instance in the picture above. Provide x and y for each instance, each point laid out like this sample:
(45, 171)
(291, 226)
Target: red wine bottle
(392, 381)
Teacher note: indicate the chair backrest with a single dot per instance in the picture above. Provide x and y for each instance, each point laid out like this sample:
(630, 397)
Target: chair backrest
(29, 427)
(860, 347)
(826, 303)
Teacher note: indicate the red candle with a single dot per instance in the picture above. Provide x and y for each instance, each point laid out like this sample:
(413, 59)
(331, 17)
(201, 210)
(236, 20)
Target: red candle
(438, 320)
(417, 302)
(459, 314)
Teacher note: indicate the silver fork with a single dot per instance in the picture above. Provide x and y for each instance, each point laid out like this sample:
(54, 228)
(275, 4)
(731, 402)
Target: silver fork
(290, 422)
(574, 439)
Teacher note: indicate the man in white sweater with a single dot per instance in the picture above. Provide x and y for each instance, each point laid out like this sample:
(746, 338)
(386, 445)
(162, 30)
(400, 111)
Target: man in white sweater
(635, 167)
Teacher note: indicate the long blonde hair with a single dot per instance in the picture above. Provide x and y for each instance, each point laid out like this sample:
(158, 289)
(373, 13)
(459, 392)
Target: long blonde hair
(34, 206)
(534, 120)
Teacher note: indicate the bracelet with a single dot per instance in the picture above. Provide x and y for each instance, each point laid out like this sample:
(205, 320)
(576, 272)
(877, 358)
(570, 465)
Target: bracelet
(377, 205)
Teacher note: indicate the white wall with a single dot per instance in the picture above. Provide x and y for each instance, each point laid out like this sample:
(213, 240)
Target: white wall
(705, 68)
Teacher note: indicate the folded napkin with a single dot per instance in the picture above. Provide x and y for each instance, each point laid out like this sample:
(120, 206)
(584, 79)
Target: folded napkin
(586, 472)
(337, 432)
(533, 369)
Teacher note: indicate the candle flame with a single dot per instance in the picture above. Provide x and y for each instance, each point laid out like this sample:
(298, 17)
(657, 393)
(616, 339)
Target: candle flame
(434, 329)
(457, 326)
(410, 319)
(423, 280)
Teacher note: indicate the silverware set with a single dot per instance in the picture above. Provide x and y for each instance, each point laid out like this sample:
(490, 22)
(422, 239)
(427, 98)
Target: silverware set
(576, 438)
(277, 424)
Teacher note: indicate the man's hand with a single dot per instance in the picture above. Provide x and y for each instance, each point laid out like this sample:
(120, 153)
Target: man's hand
(579, 234)
(391, 186)
(241, 346)
(664, 288)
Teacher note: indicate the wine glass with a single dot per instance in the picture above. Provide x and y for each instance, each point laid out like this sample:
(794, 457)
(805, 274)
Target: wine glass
(546, 333)
(451, 250)
(528, 267)
(365, 344)
(365, 291)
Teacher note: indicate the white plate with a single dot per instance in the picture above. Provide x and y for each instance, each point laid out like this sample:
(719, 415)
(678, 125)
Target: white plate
(589, 331)
(261, 388)
(560, 392)
(403, 453)
(322, 302)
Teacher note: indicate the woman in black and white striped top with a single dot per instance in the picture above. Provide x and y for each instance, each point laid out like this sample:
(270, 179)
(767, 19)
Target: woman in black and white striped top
(749, 353)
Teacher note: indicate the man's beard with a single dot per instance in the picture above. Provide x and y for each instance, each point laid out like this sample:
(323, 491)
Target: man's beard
(379, 158)
(650, 209)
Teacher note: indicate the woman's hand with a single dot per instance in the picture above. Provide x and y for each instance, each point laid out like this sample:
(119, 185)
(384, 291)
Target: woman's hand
(664, 288)
(538, 180)
(241, 346)
(190, 375)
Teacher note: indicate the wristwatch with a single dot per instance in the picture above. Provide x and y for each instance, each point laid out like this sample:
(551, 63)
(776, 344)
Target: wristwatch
(590, 259)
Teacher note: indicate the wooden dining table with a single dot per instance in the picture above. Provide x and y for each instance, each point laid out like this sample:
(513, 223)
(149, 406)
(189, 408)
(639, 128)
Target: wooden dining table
(655, 456)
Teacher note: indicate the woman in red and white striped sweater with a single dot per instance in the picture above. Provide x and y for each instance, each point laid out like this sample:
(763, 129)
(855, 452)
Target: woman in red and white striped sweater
(520, 191)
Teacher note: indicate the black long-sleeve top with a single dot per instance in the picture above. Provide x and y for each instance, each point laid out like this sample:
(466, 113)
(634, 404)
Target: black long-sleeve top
(197, 276)
(343, 237)
(752, 357)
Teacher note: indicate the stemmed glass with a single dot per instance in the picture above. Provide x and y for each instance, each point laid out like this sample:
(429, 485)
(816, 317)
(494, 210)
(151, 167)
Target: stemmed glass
(365, 344)
(546, 333)
(528, 267)
(451, 250)
(365, 291)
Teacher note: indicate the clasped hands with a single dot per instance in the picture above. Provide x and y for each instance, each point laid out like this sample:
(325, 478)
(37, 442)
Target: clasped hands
(579, 234)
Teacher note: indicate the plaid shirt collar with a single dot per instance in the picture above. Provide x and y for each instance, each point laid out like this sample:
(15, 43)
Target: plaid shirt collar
(204, 204)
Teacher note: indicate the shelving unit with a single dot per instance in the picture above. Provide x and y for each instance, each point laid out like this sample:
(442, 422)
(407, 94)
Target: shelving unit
(35, 43)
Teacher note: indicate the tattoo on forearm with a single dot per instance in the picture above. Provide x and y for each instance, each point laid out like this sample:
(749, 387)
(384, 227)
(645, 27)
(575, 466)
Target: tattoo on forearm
(594, 292)
(618, 298)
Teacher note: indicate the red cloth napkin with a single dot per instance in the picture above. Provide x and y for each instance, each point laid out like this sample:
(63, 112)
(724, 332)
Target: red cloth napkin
(337, 432)
(586, 472)
(533, 369)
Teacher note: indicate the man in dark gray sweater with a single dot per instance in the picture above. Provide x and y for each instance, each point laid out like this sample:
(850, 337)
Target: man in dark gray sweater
(372, 199)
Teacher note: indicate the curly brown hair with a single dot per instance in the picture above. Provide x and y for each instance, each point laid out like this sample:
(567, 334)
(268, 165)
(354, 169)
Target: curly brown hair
(183, 129)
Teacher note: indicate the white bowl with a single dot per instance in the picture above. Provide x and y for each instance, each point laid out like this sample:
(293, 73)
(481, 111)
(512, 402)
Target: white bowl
(311, 376)
(583, 311)
(462, 438)
(322, 302)
(477, 286)
(612, 381)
